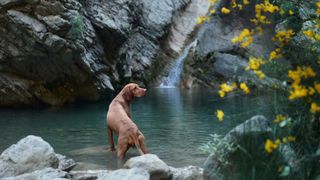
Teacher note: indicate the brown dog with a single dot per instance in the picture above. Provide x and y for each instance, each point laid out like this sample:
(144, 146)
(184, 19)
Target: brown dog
(119, 120)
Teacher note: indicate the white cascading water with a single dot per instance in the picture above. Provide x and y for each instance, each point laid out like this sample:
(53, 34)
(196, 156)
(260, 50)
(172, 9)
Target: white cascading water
(173, 79)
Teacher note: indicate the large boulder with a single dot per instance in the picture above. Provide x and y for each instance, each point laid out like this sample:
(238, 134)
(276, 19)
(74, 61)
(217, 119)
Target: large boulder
(29, 154)
(256, 126)
(248, 141)
(150, 162)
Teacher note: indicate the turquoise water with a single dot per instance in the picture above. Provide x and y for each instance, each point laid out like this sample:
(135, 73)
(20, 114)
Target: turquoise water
(175, 123)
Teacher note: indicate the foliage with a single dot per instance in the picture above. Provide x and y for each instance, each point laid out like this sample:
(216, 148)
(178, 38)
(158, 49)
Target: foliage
(77, 26)
(219, 148)
(295, 60)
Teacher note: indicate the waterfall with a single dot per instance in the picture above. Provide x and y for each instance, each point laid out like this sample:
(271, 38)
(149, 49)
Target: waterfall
(173, 79)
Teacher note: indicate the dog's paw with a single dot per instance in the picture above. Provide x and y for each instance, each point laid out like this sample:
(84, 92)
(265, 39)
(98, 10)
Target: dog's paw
(112, 149)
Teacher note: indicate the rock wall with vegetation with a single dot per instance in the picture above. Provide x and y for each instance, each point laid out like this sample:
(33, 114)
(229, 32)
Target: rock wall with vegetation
(57, 52)
(217, 59)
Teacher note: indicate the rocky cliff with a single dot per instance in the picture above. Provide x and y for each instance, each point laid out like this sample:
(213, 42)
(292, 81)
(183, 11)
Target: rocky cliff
(216, 59)
(56, 52)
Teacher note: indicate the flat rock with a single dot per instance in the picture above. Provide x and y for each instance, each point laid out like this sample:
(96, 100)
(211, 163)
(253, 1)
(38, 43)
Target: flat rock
(150, 162)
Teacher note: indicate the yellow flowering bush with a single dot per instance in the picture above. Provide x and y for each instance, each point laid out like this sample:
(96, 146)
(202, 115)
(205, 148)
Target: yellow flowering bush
(297, 40)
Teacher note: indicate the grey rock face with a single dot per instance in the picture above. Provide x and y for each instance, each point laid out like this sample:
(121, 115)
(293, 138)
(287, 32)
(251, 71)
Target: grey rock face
(52, 52)
(229, 66)
(56, 52)
(216, 59)
(29, 154)
(150, 162)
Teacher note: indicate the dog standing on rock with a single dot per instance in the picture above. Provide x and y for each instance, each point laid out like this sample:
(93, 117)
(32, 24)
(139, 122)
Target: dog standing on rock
(119, 121)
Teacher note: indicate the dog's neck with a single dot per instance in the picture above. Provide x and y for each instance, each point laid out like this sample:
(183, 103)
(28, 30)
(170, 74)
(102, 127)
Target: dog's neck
(127, 96)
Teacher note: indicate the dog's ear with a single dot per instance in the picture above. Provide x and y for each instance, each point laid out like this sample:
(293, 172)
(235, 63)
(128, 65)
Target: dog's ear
(128, 94)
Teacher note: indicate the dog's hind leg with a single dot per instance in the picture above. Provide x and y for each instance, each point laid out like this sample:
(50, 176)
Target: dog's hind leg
(122, 149)
(142, 144)
(111, 142)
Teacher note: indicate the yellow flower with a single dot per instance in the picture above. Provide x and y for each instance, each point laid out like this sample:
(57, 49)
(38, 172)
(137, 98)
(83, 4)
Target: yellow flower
(260, 74)
(245, 88)
(213, 1)
(298, 91)
(288, 139)
(225, 88)
(225, 10)
(222, 93)
(311, 91)
(315, 107)
(275, 54)
(291, 138)
(265, 7)
(255, 63)
(284, 36)
(270, 146)
(246, 2)
(285, 140)
(234, 4)
(309, 33)
(279, 118)
(245, 38)
(291, 12)
(212, 11)
(220, 115)
(317, 87)
(202, 19)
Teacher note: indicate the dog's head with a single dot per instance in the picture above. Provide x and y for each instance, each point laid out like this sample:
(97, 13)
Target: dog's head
(132, 90)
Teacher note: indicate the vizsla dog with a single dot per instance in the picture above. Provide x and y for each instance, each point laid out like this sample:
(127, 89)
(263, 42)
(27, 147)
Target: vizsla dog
(119, 120)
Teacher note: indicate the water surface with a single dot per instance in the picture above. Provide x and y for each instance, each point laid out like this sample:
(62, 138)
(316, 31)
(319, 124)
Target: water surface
(175, 123)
